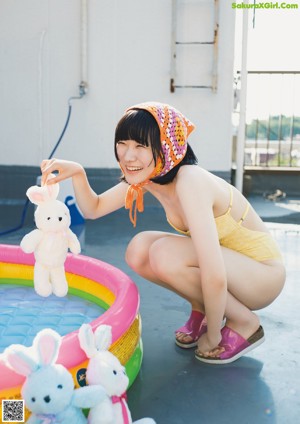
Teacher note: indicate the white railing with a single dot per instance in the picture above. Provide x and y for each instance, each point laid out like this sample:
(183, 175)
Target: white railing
(273, 119)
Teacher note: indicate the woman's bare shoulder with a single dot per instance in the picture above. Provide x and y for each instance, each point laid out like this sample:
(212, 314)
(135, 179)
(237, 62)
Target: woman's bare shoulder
(194, 175)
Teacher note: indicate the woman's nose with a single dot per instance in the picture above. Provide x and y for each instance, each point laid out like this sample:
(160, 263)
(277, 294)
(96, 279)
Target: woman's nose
(130, 154)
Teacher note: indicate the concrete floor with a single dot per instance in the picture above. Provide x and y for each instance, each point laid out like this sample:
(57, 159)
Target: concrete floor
(174, 388)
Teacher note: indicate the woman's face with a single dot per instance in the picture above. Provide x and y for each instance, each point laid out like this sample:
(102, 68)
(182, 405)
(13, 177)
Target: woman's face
(136, 160)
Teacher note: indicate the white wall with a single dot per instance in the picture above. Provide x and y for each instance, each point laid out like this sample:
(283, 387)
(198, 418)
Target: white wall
(129, 58)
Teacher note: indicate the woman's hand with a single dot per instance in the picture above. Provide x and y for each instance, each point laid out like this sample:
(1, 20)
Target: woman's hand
(64, 169)
(209, 347)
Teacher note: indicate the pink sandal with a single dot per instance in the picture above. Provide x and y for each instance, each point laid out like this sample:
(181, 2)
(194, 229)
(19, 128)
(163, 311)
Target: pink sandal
(233, 346)
(194, 327)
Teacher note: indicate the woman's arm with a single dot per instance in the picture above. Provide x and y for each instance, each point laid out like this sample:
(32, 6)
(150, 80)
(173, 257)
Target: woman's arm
(92, 205)
(196, 194)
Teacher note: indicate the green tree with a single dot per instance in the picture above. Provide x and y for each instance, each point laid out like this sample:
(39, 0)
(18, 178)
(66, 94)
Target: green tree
(277, 127)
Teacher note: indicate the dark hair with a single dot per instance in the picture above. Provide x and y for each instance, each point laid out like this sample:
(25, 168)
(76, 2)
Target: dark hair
(141, 126)
(189, 159)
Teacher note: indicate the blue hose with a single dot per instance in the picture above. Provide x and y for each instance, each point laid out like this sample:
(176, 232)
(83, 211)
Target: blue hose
(63, 132)
(25, 208)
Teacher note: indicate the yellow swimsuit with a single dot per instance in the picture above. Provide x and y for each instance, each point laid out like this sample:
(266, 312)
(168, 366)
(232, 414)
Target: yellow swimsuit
(257, 245)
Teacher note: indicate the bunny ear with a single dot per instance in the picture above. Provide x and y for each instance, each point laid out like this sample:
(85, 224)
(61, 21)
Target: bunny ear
(36, 195)
(47, 343)
(39, 195)
(52, 189)
(103, 337)
(20, 360)
(87, 340)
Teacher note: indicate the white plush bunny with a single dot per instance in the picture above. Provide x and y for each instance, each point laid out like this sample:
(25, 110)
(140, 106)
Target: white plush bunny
(50, 241)
(105, 369)
(48, 390)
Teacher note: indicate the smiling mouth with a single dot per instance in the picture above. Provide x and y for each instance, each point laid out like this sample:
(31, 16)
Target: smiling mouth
(133, 168)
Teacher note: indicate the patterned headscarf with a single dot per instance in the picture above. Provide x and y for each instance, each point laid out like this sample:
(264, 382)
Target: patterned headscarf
(174, 131)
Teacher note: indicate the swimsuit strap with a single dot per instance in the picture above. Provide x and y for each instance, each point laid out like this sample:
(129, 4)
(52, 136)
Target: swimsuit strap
(231, 200)
(231, 203)
(245, 213)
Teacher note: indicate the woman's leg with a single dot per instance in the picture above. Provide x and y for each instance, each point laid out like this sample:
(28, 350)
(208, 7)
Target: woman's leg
(170, 260)
(252, 285)
(138, 258)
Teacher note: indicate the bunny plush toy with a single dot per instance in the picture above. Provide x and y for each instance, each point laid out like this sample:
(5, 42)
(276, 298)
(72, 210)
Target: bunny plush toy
(48, 390)
(50, 241)
(106, 370)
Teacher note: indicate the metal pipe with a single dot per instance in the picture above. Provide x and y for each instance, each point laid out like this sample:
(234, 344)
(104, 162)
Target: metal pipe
(83, 47)
(279, 139)
(180, 43)
(256, 139)
(291, 138)
(173, 46)
(243, 97)
(268, 140)
(216, 47)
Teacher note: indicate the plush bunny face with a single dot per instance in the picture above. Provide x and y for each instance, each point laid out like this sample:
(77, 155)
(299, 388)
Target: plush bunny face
(105, 369)
(49, 390)
(52, 215)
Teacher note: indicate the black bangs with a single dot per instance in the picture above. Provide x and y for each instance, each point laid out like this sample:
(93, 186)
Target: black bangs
(139, 125)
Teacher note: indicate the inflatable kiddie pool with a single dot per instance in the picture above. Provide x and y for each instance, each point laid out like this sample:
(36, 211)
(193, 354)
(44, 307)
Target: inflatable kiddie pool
(96, 283)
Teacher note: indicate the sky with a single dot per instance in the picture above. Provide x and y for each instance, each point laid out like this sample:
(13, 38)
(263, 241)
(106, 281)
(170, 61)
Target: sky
(273, 45)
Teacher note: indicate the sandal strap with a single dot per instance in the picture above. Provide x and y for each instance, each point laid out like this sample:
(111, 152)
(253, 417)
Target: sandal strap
(193, 325)
(234, 346)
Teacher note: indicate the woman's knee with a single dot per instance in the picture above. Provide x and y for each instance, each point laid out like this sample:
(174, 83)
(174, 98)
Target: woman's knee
(137, 251)
(159, 259)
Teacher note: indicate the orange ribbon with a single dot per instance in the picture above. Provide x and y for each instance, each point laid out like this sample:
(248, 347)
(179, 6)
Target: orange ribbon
(134, 201)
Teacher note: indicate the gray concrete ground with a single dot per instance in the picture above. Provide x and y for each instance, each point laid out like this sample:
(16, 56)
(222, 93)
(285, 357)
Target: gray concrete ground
(174, 388)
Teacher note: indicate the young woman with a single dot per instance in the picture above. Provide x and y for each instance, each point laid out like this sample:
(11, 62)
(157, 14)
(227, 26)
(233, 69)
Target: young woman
(223, 260)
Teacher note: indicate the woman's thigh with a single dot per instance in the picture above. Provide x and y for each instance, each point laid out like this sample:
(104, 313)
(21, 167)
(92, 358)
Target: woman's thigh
(253, 283)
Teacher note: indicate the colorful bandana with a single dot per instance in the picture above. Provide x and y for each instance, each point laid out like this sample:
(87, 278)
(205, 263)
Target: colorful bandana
(174, 131)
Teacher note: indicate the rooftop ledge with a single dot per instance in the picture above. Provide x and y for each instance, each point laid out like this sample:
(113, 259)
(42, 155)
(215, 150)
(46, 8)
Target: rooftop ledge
(273, 169)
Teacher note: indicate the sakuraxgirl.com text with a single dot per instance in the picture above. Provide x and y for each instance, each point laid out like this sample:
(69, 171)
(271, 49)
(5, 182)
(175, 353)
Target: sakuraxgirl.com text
(265, 5)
